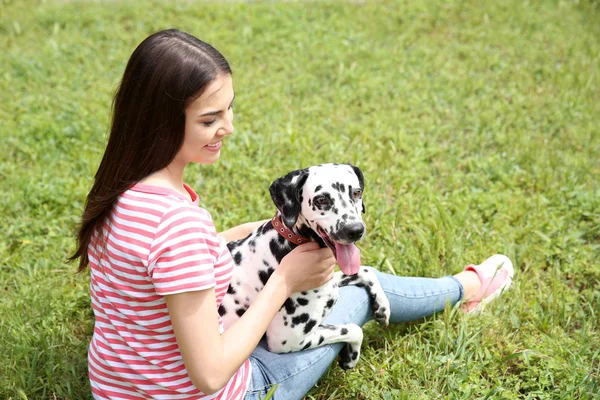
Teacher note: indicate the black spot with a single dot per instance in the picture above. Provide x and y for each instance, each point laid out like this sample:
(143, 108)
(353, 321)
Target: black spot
(230, 290)
(222, 310)
(330, 303)
(285, 324)
(236, 243)
(345, 217)
(366, 270)
(284, 342)
(329, 327)
(236, 301)
(344, 331)
(240, 312)
(321, 339)
(289, 305)
(300, 319)
(237, 257)
(302, 301)
(319, 187)
(280, 247)
(306, 346)
(264, 275)
(354, 355)
(309, 325)
(316, 290)
(309, 202)
(304, 293)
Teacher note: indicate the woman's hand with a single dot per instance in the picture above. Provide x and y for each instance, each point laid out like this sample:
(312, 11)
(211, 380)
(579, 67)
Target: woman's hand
(306, 267)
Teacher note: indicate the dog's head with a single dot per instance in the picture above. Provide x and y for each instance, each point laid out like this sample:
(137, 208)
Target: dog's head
(324, 203)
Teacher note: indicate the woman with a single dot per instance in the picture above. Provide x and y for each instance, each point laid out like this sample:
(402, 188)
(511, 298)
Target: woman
(159, 270)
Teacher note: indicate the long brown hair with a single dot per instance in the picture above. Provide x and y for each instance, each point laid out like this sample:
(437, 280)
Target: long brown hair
(165, 73)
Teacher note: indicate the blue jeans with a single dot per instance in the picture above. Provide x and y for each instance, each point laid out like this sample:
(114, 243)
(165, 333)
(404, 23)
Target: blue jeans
(296, 373)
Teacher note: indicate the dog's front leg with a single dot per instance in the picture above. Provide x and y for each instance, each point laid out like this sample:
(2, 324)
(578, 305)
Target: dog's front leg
(365, 278)
(321, 335)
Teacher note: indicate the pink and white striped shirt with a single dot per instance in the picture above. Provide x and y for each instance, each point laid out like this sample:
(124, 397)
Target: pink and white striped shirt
(155, 242)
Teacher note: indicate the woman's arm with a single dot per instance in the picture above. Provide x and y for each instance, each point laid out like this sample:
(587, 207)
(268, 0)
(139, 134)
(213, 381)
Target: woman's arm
(241, 231)
(211, 359)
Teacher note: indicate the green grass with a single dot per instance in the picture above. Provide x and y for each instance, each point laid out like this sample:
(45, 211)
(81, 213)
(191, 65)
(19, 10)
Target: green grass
(476, 124)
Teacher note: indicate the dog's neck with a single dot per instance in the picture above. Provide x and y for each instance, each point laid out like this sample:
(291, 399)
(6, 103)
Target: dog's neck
(301, 229)
(290, 234)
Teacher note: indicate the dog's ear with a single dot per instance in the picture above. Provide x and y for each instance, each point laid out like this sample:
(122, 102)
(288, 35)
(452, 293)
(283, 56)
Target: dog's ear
(286, 194)
(361, 182)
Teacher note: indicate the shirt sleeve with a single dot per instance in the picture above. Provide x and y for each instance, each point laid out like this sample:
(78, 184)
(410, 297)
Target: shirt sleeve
(184, 251)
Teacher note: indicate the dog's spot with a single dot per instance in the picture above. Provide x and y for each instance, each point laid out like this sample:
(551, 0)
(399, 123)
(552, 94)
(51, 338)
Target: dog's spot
(304, 293)
(236, 301)
(240, 312)
(309, 202)
(306, 346)
(315, 290)
(285, 324)
(302, 301)
(366, 270)
(264, 275)
(329, 327)
(354, 355)
(309, 325)
(289, 305)
(252, 246)
(319, 187)
(321, 339)
(284, 342)
(230, 290)
(345, 217)
(344, 331)
(222, 310)
(279, 251)
(300, 319)
(330, 303)
(237, 257)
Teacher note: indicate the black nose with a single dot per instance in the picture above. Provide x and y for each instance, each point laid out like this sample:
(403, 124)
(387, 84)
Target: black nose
(354, 231)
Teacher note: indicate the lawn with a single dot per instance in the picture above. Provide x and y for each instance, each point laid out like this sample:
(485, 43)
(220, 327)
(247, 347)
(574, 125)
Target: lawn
(476, 124)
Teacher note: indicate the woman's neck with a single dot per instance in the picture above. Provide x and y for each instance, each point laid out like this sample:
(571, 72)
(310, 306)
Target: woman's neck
(170, 177)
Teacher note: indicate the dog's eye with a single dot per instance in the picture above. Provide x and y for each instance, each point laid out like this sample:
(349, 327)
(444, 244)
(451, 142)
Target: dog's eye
(357, 193)
(320, 200)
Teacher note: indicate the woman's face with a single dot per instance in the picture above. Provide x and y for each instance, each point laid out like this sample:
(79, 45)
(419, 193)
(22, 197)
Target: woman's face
(208, 119)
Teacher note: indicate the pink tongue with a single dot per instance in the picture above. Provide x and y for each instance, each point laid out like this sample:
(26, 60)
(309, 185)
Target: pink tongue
(348, 258)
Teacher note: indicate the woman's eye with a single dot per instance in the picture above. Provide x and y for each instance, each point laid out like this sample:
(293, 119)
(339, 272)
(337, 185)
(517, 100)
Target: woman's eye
(209, 123)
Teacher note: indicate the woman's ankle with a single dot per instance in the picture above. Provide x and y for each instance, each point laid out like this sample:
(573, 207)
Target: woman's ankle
(470, 283)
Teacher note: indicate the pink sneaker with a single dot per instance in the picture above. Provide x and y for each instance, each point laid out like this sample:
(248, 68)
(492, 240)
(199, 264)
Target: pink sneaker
(496, 274)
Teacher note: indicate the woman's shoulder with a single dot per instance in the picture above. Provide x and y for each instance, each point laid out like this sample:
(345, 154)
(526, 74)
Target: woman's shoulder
(165, 202)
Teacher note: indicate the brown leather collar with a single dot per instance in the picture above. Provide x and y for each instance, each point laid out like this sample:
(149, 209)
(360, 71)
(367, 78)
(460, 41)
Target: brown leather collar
(286, 232)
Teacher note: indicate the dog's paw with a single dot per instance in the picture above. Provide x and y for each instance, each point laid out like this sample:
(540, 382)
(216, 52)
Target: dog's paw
(348, 356)
(381, 311)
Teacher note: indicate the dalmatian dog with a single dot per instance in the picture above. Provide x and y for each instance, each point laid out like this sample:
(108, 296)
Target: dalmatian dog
(322, 203)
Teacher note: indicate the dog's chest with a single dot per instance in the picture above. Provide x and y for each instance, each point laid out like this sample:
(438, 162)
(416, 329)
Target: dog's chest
(255, 257)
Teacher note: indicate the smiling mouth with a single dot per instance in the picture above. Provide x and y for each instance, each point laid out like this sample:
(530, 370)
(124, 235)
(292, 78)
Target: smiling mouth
(346, 255)
(327, 239)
